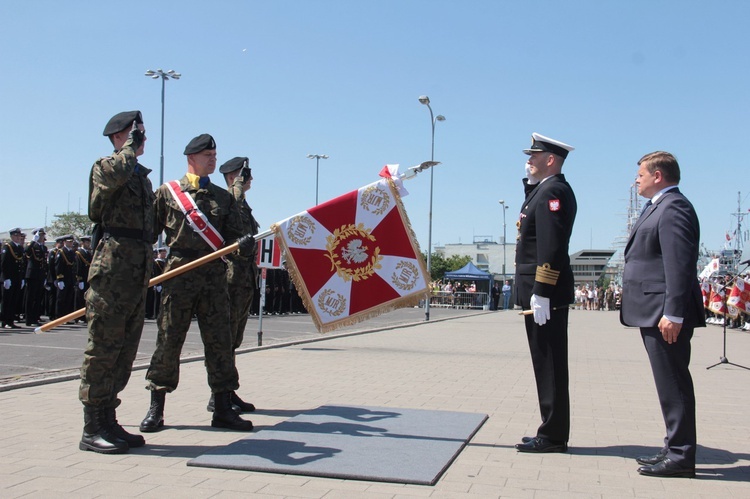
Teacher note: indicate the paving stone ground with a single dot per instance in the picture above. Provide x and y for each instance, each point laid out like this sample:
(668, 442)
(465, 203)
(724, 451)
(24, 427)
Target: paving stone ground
(477, 363)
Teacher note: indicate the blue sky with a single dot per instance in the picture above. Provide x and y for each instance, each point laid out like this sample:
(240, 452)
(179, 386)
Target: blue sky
(277, 80)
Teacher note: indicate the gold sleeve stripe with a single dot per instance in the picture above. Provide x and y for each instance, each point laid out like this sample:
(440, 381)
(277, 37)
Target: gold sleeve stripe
(546, 275)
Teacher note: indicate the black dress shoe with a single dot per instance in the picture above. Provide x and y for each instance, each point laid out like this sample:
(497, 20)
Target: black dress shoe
(651, 460)
(526, 439)
(666, 468)
(539, 445)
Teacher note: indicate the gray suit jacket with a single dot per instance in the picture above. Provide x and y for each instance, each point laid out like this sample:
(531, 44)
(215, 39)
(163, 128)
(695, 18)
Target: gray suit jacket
(661, 259)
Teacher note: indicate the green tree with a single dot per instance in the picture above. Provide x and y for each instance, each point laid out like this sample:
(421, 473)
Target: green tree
(439, 265)
(70, 223)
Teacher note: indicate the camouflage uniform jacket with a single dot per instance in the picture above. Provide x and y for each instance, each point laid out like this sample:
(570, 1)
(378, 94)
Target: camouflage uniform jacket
(121, 195)
(185, 244)
(242, 269)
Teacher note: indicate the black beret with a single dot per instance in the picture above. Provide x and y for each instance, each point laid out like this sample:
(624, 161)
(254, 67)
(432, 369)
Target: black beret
(121, 121)
(234, 164)
(200, 143)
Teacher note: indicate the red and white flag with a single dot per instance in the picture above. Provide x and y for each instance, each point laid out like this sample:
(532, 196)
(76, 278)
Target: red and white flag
(706, 292)
(354, 257)
(739, 297)
(713, 266)
(716, 303)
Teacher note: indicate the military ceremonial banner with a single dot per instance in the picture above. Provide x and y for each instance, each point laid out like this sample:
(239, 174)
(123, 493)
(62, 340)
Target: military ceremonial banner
(705, 292)
(711, 268)
(739, 297)
(354, 257)
(716, 302)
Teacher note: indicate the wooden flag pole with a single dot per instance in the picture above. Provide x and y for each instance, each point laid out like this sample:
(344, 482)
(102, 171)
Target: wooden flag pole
(157, 280)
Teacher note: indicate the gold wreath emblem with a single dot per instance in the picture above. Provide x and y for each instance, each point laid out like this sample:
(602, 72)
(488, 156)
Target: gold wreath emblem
(375, 200)
(330, 304)
(352, 252)
(406, 275)
(300, 230)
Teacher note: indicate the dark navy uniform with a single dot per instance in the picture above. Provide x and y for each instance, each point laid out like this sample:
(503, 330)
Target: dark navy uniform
(543, 269)
(36, 275)
(82, 265)
(65, 279)
(13, 275)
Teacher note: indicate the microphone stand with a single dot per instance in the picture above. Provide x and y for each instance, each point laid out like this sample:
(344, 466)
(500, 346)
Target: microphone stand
(723, 359)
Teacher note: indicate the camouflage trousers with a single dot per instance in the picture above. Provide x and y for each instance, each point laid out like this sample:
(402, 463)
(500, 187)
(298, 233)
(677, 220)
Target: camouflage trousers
(115, 304)
(202, 292)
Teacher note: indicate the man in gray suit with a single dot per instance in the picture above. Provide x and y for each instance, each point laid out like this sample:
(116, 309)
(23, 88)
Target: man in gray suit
(662, 297)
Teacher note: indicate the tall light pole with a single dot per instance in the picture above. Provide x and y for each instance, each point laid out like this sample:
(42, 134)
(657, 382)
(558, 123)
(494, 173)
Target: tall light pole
(317, 158)
(164, 77)
(505, 207)
(423, 99)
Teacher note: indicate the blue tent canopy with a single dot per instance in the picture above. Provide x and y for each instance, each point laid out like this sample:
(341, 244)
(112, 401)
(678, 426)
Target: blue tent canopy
(469, 272)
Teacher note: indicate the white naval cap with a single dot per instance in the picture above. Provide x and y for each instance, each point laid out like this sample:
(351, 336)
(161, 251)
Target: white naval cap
(540, 143)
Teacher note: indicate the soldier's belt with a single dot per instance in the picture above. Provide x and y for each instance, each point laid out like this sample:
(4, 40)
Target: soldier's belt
(138, 234)
(546, 275)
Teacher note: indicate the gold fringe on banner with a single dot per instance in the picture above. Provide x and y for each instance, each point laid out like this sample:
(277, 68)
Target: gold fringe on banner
(410, 300)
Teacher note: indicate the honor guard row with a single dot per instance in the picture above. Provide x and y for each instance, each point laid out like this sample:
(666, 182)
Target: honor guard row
(38, 281)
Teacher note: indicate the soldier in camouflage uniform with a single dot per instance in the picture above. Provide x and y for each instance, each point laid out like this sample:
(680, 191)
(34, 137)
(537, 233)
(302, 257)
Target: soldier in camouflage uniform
(241, 269)
(202, 291)
(121, 202)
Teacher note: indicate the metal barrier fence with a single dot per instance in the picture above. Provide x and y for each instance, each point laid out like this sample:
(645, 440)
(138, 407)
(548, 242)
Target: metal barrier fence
(460, 300)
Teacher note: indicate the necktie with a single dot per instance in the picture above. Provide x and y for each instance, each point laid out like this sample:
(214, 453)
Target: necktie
(646, 207)
(203, 182)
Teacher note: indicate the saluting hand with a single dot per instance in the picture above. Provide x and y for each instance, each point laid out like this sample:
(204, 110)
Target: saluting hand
(669, 330)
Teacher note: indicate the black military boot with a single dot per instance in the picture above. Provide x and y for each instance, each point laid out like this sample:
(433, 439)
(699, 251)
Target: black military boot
(225, 417)
(154, 420)
(97, 435)
(120, 432)
(240, 405)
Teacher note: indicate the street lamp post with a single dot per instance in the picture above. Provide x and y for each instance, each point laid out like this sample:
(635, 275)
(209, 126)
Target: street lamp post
(505, 207)
(423, 99)
(171, 74)
(317, 158)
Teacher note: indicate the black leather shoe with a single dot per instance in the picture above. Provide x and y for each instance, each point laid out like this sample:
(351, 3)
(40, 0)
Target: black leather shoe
(526, 439)
(539, 445)
(666, 468)
(651, 460)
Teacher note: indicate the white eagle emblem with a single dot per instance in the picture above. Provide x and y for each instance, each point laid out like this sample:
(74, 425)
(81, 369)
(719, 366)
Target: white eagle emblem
(354, 252)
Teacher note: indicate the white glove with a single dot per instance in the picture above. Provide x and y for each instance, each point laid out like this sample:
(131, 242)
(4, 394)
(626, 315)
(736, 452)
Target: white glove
(60, 285)
(81, 285)
(540, 306)
(532, 180)
(23, 283)
(158, 288)
(6, 284)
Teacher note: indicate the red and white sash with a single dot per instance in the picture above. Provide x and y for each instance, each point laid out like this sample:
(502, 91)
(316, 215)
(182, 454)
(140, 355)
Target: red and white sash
(195, 217)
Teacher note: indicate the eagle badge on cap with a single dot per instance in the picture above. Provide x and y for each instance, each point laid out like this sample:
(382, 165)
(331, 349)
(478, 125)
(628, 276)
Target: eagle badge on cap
(554, 205)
